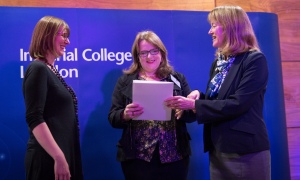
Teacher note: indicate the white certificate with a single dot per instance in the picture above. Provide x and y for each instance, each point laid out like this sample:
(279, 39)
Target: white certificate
(151, 95)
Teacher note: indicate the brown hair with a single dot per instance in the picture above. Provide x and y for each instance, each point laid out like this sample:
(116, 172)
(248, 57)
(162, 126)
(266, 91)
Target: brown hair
(43, 36)
(164, 68)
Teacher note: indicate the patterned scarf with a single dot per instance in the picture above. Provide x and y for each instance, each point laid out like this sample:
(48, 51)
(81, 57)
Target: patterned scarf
(222, 68)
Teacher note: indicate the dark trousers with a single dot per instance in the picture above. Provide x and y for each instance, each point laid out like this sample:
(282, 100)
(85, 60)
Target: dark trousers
(137, 169)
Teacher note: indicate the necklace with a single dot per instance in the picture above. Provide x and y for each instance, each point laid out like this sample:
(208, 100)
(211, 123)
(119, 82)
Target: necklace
(148, 77)
(71, 91)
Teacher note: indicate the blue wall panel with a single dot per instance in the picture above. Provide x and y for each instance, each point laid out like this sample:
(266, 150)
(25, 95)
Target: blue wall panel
(97, 34)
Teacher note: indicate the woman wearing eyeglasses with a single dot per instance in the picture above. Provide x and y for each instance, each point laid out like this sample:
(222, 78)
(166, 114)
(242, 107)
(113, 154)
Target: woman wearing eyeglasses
(53, 148)
(150, 149)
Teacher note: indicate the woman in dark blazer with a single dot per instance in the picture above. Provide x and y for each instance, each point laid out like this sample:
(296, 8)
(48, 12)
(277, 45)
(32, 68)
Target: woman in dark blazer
(150, 149)
(231, 110)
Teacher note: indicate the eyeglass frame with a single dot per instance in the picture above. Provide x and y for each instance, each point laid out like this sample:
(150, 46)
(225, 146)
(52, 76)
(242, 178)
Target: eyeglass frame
(152, 52)
(64, 35)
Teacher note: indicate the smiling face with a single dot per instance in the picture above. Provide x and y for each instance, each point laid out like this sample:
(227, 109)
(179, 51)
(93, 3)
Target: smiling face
(217, 33)
(61, 41)
(152, 60)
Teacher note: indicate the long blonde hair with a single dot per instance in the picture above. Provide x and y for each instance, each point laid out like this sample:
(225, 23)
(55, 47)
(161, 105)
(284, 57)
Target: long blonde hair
(238, 32)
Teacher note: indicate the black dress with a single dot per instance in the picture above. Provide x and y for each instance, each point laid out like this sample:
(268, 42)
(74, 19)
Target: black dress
(47, 100)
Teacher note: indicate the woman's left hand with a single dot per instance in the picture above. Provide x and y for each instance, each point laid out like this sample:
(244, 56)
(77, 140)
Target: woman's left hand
(180, 102)
(178, 113)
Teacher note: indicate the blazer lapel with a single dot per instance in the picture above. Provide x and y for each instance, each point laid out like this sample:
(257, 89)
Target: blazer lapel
(231, 74)
(127, 90)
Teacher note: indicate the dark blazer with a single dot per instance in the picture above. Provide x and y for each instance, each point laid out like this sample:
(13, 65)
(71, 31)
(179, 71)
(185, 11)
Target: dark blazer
(122, 96)
(233, 121)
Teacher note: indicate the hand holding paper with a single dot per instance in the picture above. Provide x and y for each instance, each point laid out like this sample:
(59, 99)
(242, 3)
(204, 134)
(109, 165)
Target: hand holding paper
(132, 110)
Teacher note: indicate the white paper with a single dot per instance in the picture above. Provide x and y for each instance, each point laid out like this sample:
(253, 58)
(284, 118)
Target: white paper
(151, 95)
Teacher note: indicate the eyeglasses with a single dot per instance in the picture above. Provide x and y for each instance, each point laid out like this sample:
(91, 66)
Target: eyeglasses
(144, 54)
(64, 35)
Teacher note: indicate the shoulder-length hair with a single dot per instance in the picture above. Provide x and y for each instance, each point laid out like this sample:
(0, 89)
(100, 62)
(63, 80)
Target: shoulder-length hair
(238, 32)
(164, 68)
(43, 36)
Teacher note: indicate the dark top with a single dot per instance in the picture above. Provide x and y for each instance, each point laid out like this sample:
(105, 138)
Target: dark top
(47, 100)
(233, 121)
(140, 138)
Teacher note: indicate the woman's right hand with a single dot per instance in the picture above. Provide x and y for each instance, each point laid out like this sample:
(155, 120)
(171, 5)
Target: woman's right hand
(194, 95)
(61, 168)
(132, 110)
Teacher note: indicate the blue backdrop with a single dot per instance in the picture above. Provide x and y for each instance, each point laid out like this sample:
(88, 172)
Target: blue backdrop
(100, 48)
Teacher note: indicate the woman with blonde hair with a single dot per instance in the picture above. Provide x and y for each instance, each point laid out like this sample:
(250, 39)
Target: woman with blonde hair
(235, 134)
